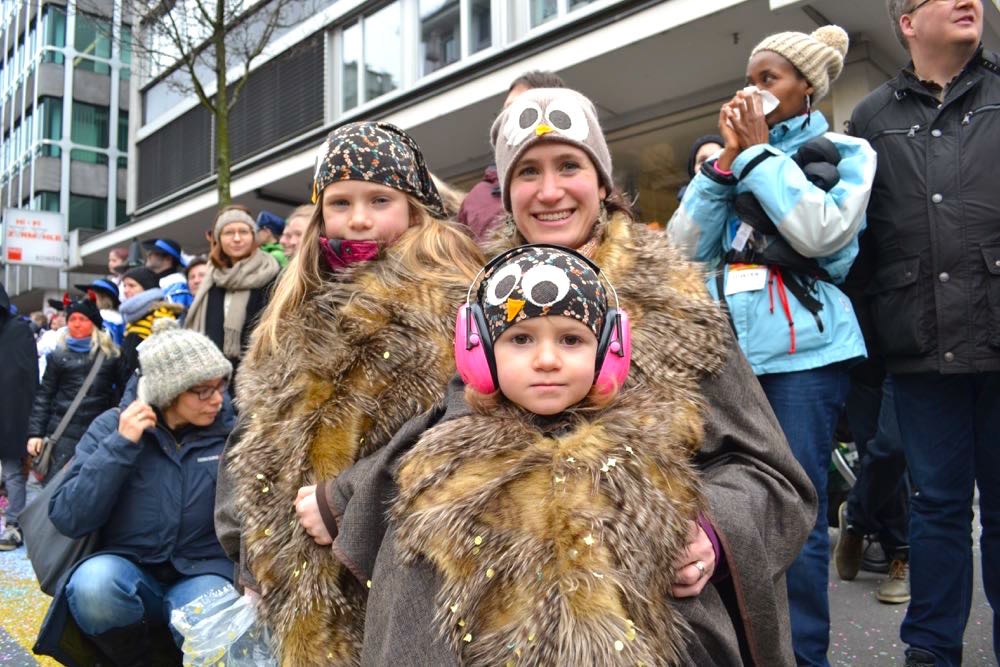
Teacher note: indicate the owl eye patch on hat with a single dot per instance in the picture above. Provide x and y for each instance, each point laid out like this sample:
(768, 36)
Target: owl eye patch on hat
(540, 282)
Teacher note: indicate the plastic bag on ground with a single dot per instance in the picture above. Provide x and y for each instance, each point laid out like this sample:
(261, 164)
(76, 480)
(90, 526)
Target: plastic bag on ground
(220, 628)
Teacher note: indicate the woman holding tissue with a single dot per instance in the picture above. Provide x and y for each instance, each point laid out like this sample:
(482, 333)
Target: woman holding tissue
(779, 214)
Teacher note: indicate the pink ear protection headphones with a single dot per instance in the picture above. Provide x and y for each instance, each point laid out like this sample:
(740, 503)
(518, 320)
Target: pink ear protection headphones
(474, 349)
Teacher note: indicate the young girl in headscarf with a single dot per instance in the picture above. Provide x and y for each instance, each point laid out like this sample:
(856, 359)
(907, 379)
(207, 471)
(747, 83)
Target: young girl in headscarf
(355, 342)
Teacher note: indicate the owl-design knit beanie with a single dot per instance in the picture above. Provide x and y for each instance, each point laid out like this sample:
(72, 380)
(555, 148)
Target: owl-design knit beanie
(173, 360)
(535, 281)
(819, 55)
(548, 114)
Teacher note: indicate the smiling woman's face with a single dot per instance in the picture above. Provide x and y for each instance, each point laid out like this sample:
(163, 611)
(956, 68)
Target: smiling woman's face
(555, 194)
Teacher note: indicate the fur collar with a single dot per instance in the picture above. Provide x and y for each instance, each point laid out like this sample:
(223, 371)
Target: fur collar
(555, 549)
(679, 334)
(362, 356)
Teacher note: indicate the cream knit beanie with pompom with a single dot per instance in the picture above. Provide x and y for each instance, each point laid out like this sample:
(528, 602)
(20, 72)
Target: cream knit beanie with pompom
(819, 56)
(172, 360)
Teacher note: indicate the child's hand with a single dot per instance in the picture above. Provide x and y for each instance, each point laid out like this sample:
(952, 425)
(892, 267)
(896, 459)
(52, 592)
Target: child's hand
(695, 566)
(309, 517)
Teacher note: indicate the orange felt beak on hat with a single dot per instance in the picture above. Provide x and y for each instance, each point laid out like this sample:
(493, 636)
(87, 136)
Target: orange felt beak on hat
(543, 129)
(514, 307)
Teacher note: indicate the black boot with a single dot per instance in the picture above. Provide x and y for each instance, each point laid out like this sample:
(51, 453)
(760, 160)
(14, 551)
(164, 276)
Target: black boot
(917, 657)
(125, 647)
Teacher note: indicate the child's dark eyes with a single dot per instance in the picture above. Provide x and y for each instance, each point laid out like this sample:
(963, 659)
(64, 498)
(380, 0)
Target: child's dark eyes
(521, 339)
(572, 340)
(381, 200)
(338, 203)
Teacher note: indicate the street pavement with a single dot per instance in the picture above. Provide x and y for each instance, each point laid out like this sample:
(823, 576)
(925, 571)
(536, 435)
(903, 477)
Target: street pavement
(865, 633)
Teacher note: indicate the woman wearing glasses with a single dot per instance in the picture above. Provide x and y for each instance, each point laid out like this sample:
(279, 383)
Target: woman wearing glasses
(144, 476)
(238, 286)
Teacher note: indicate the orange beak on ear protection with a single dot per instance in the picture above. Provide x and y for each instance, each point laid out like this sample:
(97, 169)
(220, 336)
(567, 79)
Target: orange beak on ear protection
(543, 129)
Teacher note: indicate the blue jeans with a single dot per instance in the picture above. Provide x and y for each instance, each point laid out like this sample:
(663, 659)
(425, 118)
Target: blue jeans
(108, 592)
(807, 404)
(17, 484)
(951, 435)
(878, 503)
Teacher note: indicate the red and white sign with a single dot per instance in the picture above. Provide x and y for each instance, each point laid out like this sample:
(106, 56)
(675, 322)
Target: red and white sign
(35, 238)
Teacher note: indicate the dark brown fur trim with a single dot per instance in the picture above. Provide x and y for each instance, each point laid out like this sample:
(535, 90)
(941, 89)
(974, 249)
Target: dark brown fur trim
(359, 359)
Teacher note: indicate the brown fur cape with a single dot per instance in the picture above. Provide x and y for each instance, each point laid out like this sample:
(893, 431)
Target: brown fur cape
(556, 547)
(358, 359)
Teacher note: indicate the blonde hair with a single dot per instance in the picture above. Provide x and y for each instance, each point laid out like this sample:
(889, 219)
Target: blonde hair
(304, 211)
(99, 339)
(431, 250)
(451, 196)
(104, 302)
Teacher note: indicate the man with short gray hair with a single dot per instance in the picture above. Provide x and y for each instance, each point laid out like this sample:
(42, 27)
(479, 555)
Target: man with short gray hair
(933, 291)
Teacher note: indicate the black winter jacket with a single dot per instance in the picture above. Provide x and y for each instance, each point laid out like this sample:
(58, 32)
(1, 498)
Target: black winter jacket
(64, 375)
(18, 379)
(933, 273)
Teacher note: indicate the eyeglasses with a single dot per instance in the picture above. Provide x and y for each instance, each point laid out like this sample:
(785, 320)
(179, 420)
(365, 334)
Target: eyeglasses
(921, 4)
(204, 393)
(230, 233)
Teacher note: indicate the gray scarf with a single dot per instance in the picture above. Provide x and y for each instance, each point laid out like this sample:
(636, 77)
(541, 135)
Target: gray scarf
(255, 271)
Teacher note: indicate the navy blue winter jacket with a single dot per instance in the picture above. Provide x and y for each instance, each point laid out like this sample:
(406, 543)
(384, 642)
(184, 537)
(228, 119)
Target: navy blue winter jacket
(152, 501)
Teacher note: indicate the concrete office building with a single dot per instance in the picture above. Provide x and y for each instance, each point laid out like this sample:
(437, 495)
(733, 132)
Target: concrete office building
(64, 99)
(658, 71)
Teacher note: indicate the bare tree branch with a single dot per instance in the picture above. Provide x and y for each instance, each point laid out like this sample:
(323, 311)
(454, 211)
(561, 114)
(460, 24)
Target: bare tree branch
(189, 57)
(192, 46)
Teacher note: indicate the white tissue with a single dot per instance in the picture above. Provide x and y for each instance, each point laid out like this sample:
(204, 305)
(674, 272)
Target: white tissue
(769, 101)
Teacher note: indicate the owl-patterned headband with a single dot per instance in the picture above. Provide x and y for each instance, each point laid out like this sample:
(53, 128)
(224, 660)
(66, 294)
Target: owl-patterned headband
(548, 114)
(379, 153)
(535, 281)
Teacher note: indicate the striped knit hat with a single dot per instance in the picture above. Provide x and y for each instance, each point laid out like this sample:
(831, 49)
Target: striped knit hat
(819, 56)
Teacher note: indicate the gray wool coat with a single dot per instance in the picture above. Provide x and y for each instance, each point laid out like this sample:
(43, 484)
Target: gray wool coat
(761, 504)
(760, 501)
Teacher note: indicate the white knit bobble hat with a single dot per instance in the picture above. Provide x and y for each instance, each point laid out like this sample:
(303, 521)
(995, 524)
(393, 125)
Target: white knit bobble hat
(173, 360)
(819, 55)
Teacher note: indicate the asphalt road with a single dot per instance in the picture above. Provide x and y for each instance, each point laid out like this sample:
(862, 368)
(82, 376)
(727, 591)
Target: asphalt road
(865, 632)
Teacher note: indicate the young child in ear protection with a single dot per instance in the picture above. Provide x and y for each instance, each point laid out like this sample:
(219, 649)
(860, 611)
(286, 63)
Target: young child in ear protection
(355, 342)
(541, 516)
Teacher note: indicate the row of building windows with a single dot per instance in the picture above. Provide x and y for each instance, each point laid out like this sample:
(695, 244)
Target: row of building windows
(90, 126)
(373, 53)
(91, 39)
(391, 47)
(84, 212)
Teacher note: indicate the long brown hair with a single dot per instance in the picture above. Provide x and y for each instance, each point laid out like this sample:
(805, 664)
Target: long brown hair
(431, 250)
(217, 256)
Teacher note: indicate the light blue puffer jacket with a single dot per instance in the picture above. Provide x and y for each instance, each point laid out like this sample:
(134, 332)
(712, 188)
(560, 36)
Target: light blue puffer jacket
(817, 224)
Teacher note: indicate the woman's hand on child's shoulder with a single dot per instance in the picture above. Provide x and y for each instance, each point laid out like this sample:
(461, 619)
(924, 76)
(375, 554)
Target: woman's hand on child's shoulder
(308, 512)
